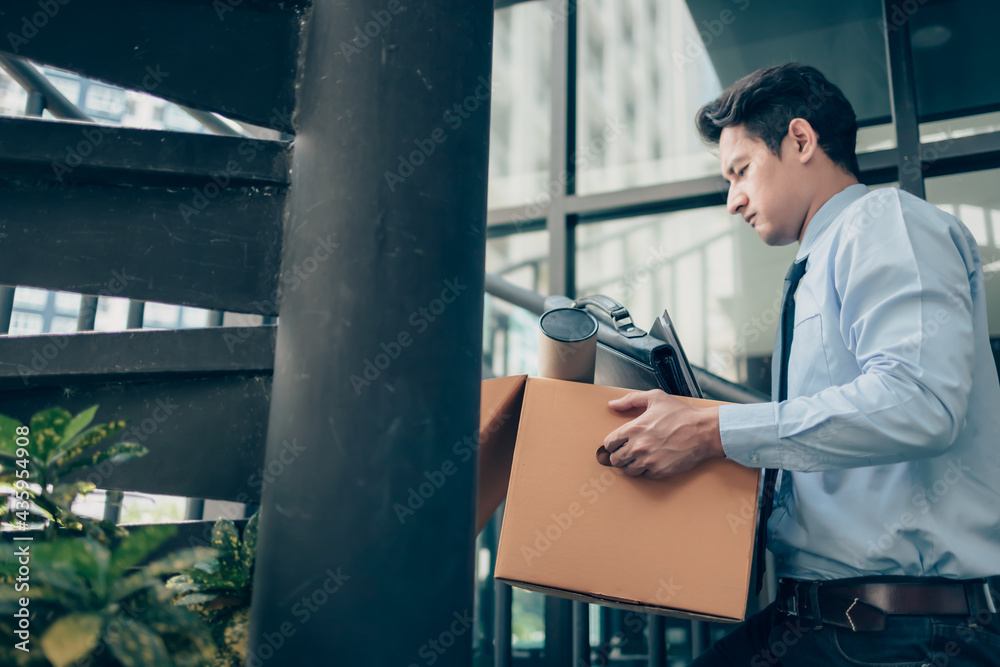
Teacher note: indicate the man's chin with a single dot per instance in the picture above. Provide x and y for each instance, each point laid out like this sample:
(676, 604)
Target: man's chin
(769, 237)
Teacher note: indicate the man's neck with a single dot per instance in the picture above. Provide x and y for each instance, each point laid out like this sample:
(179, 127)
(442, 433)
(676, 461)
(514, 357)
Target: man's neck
(827, 190)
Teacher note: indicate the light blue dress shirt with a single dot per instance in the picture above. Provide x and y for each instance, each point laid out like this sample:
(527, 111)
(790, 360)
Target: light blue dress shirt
(889, 441)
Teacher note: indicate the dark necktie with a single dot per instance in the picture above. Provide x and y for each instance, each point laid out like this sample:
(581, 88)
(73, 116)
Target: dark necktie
(795, 273)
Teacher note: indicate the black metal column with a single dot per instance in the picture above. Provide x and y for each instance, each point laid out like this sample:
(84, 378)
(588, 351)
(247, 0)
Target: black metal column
(136, 313)
(195, 510)
(562, 158)
(133, 320)
(562, 621)
(113, 505)
(581, 634)
(6, 308)
(367, 534)
(502, 635)
(558, 632)
(86, 317)
(656, 627)
(504, 600)
(903, 96)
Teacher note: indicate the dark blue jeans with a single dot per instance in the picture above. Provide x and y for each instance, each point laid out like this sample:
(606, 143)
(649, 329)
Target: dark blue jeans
(772, 638)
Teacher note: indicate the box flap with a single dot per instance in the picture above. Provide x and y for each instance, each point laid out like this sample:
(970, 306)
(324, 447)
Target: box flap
(576, 526)
(499, 411)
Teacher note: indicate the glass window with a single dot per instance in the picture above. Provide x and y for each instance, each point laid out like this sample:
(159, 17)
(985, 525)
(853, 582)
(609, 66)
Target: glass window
(954, 55)
(521, 104)
(876, 138)
(66, 83)
(150, 508)
(194, 317)
(13, 97)
(160, 315)
(975, 200)
(112, 314)
(67, 302)
(106, 101)
(26, 324)
(175, 118)
(718, 281)
(30, 297)
(63, 325)
(954, 128)
(642, 93)
(510, 337)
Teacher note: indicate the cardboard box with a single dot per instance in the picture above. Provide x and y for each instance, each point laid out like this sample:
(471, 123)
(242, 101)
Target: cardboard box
(576, 529)
(499, 412)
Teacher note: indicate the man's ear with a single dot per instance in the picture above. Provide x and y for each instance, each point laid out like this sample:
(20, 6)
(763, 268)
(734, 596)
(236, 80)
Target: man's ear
(804, 139)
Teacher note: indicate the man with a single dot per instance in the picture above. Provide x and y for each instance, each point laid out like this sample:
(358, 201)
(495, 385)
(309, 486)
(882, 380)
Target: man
(886, 423)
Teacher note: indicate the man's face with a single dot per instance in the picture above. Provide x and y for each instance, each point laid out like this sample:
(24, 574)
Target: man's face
(768, 192)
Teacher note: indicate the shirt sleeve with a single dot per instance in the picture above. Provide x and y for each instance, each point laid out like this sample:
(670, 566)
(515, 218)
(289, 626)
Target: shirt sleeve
(904, 285)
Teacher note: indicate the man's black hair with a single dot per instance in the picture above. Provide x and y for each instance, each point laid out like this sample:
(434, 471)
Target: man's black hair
(767, 100)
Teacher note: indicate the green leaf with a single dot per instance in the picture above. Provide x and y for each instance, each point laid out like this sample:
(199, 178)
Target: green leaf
(248, 551)
(77, 424)
(208, 580)
(8, 434)
(84, 441)
(85, 556)
(71, 638)
(179, 561)
(120, 452)
(135, 645)
(63, 495)
(47, 428)
(238, 632)
(226, 539)
(183, 584)
(197, 598)
(127, 586)
(72, 589)
(184, 632)
(141, 541)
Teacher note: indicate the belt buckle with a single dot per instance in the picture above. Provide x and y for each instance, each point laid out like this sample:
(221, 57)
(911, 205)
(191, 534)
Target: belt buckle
(847, 614)
(791, 599)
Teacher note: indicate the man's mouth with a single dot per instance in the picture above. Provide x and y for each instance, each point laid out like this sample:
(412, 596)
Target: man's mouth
(750, 219)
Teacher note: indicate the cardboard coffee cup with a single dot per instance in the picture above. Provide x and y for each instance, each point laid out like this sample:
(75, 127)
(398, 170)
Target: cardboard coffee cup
(567, 345)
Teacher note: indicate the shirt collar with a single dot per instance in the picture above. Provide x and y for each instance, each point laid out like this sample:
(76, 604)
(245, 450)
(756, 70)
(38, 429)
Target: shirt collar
(826, 214)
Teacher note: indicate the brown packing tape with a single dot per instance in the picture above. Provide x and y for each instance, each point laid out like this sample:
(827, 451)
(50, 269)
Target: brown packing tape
(682, 546)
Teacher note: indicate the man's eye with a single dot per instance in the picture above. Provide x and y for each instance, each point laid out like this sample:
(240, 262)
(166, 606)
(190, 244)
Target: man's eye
(741, 172)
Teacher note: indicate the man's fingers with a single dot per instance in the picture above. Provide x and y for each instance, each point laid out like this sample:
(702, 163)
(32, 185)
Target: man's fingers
(635, 399)
(620, 457)
(634, 470)
(616, 439)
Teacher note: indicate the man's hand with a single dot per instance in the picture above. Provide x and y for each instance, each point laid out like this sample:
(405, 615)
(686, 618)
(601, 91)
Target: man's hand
(668, 438)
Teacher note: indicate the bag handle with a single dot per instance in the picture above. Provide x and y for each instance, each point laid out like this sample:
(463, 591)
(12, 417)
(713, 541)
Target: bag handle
(617, 312)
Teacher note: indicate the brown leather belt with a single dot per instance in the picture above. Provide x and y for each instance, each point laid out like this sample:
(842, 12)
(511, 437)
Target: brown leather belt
(863, 604)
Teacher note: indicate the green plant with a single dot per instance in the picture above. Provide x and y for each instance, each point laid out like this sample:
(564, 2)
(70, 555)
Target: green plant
(90, 600)
(59, 445)
(219, 588)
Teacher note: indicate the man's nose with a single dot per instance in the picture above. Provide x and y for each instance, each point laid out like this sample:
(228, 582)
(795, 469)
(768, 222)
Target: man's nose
(736, 200)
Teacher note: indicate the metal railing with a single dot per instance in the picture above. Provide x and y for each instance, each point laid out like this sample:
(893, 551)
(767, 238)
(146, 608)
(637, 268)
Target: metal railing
(42, 96)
